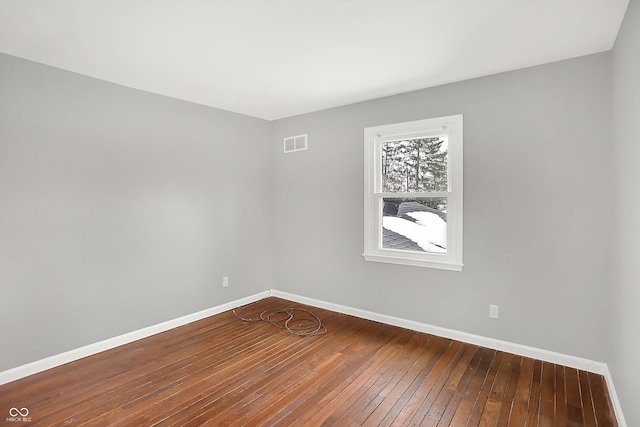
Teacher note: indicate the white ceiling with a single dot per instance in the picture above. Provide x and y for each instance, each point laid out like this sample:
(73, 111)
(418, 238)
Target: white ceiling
(279, 58)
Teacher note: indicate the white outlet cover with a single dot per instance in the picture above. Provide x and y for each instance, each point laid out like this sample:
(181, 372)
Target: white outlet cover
(493, 311)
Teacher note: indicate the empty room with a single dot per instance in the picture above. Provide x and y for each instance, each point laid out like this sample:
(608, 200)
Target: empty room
(320, 212)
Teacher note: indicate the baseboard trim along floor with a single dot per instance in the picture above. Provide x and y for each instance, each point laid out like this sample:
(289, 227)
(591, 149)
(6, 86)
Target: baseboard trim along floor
(506, 346)
(509, 347)
(88, 350)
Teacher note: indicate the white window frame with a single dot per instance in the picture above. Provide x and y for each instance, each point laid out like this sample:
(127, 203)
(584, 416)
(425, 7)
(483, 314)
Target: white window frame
(373, 195)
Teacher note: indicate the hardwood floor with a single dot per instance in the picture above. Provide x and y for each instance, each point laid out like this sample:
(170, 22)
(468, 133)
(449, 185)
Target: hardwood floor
(223, 371)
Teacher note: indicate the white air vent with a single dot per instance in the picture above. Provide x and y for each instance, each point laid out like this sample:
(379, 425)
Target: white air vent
(295, 143)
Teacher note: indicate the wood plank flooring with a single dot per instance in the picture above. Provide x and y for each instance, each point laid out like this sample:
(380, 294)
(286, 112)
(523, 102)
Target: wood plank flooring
(223, 371)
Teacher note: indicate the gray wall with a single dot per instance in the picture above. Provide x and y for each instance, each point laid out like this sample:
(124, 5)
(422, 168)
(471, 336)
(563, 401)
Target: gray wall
(625, 353)
(537, 209)
(120, 209)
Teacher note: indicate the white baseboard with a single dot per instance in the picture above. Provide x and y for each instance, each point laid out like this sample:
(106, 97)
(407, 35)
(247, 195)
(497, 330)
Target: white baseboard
(88, 350)
(509, 347)
(506, 346)
(617, 407)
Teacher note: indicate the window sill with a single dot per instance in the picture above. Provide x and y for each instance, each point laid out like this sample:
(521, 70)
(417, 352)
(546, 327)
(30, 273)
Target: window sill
(441, 265)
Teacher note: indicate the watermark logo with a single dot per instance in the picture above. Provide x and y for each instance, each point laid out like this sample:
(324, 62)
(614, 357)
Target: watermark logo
(18, 415)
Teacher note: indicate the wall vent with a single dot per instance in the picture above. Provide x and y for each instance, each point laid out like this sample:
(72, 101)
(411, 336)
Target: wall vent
(295, 143)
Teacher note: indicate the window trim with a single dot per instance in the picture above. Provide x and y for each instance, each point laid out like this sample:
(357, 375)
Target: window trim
(373, 195)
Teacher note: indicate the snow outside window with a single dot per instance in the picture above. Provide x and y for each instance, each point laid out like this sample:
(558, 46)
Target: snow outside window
(413, 193)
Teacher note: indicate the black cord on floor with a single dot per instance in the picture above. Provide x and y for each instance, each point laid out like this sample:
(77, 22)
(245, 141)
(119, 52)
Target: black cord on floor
(297, 321)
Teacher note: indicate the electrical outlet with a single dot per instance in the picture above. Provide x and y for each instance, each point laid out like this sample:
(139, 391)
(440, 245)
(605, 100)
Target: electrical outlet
(493, 311)
(225, 282)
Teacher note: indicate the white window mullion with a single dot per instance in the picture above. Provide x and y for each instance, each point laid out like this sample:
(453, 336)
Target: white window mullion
(422, 194)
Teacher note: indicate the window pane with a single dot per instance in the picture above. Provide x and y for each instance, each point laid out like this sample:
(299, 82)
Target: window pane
(415, 165)
(418, 225)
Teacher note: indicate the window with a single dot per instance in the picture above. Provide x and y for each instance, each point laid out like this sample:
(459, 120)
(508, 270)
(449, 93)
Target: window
(413, 193)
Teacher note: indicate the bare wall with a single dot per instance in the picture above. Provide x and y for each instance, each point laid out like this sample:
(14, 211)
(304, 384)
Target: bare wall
(625, 353)
(120, 209)
(537, 209)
